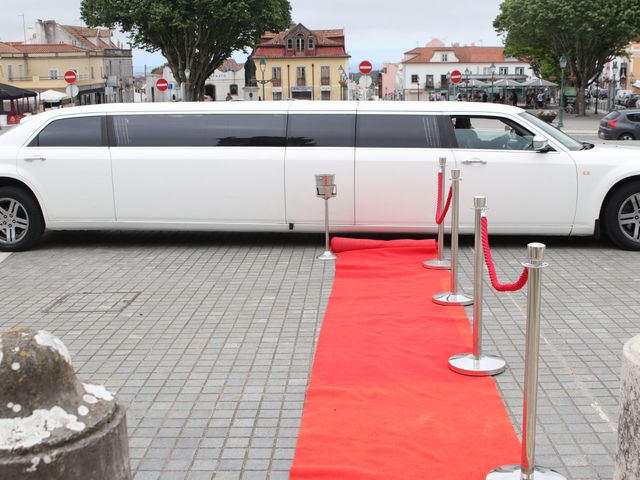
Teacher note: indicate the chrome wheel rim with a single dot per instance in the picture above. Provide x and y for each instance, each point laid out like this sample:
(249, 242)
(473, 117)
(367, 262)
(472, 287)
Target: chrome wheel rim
(629, 217)
(626, 137)
(14, 221)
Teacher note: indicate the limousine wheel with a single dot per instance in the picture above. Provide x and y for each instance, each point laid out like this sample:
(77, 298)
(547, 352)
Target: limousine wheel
(21, 223)
(622, 216)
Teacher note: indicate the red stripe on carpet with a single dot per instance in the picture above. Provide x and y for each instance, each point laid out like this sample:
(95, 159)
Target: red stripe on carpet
(382, 402)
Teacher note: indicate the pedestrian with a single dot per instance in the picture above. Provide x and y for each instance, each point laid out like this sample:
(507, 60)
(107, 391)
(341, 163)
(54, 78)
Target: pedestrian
(229, 97)
(484, 97)
(540, 99)
(514, 99)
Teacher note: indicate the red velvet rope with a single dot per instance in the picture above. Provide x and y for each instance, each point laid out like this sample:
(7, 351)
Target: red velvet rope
(500, 287)
(440, 215)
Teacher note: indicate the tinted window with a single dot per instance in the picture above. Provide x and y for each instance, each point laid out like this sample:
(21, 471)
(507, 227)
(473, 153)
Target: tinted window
(199, 130)
(72, 132)
(634, 117)
(491, 133)
(321, 130)
(611, 115)
(398, 131)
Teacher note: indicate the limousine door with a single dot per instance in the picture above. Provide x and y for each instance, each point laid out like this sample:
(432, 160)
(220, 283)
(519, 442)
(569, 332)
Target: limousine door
(68, 164)
(527, 191)
(396, 170)
(222, 169)
(319, 143)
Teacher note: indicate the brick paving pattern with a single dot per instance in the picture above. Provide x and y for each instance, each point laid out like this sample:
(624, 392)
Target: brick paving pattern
(208, 339)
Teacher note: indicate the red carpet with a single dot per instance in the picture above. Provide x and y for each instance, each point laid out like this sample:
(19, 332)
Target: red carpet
(382, 402)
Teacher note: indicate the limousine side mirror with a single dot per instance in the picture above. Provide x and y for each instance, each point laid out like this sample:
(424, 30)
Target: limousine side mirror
(540, 144)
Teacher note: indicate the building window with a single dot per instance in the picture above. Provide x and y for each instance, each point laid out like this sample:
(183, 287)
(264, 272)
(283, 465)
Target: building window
(415, 79)
(21, 72)
(277, 95)
(429, 81)
(503, 71)
(444, 81)
(233, 89)
(300, 44)
(325, 95)
(519, 70)
(445, 57)
(310, 43)
(289, 44)
(10, 72)
(276, 76)
(92, 74)
(53, 74)
(301, 76)
(325, 75)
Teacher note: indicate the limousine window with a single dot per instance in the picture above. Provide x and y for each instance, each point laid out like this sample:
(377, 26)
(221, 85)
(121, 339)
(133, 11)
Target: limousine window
(491, 133)
(398, 131)
(194, 130)
(71, 132)
(332, 130)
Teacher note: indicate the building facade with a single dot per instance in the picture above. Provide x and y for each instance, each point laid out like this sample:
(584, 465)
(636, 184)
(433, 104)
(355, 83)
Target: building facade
(227, 80)
(42, 67)
(302, 64)
(427, 69)
(116, 71)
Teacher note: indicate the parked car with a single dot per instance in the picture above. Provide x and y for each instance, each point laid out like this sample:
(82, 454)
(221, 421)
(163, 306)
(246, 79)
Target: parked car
(621, 97)
(631, 100)
(620, 125)
(249, 166)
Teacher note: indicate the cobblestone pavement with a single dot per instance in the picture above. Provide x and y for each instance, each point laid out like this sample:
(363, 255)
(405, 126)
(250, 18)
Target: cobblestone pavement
(208, 339)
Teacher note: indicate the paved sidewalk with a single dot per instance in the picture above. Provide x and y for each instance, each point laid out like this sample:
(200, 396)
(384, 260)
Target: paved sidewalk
(213, 348)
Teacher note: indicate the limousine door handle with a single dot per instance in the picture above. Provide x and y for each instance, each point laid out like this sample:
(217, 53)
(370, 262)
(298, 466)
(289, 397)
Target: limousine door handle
(474, 161)
(35, 157)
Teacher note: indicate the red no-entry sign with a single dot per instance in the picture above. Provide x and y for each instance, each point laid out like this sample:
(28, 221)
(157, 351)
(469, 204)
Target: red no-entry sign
(162, 84)
(456, 76)
(366, 67)
(70, 76)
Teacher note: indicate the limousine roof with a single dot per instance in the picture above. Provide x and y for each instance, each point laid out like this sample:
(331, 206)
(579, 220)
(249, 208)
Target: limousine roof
(284, 106)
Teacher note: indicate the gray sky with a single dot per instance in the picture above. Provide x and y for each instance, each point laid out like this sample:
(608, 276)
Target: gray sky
(376, 33)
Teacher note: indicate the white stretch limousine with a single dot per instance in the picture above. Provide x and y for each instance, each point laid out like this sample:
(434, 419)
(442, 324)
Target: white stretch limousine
(250, 166)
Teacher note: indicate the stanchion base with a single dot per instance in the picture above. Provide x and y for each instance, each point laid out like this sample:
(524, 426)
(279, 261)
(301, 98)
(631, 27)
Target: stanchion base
(468, 364)
(327, 255)
(513, 472)
(437, 264)
(452, 298)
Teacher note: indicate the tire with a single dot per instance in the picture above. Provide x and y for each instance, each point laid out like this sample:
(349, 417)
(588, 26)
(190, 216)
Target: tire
(21, 223)
(626, 136)
(622, 216)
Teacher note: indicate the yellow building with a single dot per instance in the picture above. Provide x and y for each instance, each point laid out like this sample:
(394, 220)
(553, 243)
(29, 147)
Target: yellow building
(303, 64)
(42, 67)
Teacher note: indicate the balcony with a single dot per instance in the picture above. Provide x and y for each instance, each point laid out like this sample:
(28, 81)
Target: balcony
(276, 82)
(325, 81)
(301, 82)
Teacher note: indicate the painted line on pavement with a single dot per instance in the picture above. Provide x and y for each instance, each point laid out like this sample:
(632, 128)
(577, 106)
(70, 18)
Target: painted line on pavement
(4, 255)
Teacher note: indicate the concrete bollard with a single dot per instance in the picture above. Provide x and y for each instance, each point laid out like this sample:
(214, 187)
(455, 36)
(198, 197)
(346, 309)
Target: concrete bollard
(628, 456)
(52, 427)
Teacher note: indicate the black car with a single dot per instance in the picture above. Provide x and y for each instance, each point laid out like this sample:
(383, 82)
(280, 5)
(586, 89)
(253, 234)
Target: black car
(620, 125)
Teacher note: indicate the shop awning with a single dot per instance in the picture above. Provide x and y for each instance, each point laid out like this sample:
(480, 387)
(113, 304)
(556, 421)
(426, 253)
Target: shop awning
(9, 92)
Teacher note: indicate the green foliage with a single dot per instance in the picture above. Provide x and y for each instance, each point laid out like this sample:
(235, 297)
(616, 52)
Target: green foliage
(192, 34)
(589, 32)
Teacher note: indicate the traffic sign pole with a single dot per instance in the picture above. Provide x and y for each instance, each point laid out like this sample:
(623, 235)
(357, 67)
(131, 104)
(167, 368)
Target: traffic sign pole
(365, 68)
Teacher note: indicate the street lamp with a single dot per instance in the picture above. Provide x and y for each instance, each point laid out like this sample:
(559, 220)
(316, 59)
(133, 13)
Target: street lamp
(613, 79)
(187, 85)
(467, 72)
(263, 68)
(597, 96)
(492, 69)
(418, 85)
(563, 65)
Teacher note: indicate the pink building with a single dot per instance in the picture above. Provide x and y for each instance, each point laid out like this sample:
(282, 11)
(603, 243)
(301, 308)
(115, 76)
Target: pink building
(391, 81)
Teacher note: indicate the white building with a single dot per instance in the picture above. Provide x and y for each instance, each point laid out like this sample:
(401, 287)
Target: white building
(426, 69)
(228, 79)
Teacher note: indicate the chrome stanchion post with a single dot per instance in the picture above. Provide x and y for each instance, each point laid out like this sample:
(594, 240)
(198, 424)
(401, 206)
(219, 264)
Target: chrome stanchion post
(527, 470)
(454, 297)
(326, 189)
(476, 363)
(440, 263)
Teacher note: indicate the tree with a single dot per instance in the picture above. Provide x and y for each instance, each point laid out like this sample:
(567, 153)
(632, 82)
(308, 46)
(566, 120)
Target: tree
(590, 33)
(195, 35)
